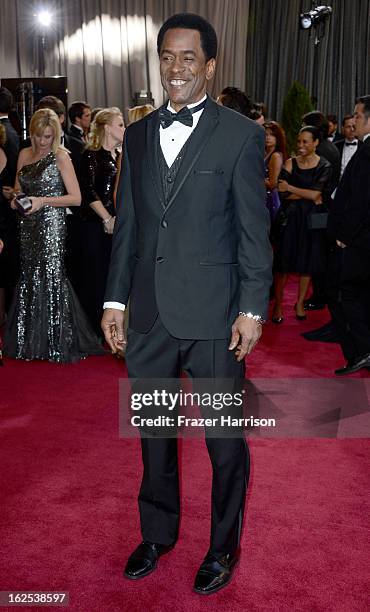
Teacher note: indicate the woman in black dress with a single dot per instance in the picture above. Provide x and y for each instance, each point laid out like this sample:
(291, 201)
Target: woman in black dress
(303, 186)
(98, 171)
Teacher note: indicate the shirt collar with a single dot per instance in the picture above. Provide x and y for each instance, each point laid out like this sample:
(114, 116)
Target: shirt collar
(78, 127)
(169, 107)
(366, 136)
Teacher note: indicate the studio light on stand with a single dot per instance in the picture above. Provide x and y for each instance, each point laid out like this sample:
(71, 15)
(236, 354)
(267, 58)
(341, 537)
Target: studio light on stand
(43, 20)
(315, 20)
(314, 17)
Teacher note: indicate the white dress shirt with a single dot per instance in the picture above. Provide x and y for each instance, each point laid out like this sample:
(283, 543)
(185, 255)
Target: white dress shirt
(171, 139)
(348, 151)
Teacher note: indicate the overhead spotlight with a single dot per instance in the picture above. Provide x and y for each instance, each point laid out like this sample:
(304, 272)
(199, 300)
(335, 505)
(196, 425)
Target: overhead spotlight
(315, 16)
(44, 18)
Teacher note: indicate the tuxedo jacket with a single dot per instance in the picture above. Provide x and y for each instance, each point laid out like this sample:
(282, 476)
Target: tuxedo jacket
(76, 146)
(75, 133)
(206, 255)
(328, 150)
(349, 219)
(340, 146)
(11, 149)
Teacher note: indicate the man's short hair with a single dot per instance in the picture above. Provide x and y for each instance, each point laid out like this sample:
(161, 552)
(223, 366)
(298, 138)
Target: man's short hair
(190, 21)
(345, 118)
(6, 100)
(236, 99)
(365, 100)
(52, 102)
(76, 110)
(319, 120)
(332, 118)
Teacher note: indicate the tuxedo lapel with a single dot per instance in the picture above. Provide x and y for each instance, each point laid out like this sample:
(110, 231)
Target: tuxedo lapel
(152, 140)
(196, 143)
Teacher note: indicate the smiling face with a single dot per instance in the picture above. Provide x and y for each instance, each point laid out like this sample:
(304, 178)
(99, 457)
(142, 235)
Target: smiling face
(183, 67)
(43, 141)
(306, 144)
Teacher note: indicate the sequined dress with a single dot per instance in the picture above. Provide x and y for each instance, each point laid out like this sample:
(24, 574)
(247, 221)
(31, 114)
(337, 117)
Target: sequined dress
(46, 320)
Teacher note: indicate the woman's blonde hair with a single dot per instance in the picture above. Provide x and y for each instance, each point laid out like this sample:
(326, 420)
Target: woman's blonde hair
(41, 119)
(138, 112)
(97, 127)
(2, 135)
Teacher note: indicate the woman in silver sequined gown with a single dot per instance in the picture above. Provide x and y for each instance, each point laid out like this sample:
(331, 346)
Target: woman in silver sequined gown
(45, 320)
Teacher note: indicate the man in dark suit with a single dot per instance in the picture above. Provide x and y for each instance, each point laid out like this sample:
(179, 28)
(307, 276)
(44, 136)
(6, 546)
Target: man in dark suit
(11, 147)
(191, 249)
(10, 256)
(347, 147)
(349, 269)
(79, 114)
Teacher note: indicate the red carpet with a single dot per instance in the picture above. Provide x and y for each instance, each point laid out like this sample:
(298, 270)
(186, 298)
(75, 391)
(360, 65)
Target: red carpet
(69, 487)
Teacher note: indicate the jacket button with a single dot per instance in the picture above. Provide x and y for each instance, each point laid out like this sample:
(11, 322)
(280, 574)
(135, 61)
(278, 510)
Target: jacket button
(164, 224)
(169, 179)
(160, 259)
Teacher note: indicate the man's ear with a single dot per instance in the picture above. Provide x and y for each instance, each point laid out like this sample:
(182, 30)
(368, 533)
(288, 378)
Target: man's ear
(210, 69)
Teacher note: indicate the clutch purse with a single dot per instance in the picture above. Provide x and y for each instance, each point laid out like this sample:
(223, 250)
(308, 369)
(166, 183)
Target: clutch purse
(317, 220)
(23, 203)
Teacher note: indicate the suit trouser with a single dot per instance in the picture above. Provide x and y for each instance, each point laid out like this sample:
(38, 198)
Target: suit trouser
(348, 289)
(157, 354)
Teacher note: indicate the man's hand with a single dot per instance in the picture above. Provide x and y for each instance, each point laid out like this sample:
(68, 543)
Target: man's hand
(1, 245)
(245, 335)
(112, 326)
(341, 244)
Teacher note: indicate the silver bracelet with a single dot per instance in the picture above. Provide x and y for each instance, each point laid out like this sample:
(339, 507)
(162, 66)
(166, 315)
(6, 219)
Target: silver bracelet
(250, 315)
(107, 220)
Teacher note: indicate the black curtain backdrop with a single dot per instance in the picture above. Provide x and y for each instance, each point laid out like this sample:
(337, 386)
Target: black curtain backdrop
(106, 48)
(278, 53)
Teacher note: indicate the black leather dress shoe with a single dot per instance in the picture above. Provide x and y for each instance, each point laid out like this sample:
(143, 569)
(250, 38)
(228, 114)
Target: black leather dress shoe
(144, 559)
(214, 574)
(326, 333)
(354, 365)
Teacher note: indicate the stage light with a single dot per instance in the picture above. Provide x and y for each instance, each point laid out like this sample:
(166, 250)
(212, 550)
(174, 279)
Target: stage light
(44, 18)
(315, 16)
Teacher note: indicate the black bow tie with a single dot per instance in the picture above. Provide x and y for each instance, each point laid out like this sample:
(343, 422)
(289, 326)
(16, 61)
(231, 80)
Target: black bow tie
(185, 115)
(351, 144)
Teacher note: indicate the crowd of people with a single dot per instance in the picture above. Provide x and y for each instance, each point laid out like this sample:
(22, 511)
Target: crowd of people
(54, 261)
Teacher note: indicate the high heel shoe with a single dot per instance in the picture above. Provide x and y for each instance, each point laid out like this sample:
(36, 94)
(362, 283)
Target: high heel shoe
(297, 316)
(277, 320)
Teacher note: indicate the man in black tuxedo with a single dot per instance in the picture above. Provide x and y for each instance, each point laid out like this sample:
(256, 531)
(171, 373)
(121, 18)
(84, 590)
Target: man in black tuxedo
(11, 147)
(349, 269)
(191, 249)
(10, 256)
(347, 147)
(79, 114)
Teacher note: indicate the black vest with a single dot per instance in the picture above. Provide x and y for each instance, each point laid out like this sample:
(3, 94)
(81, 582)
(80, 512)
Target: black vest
(168, 175)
